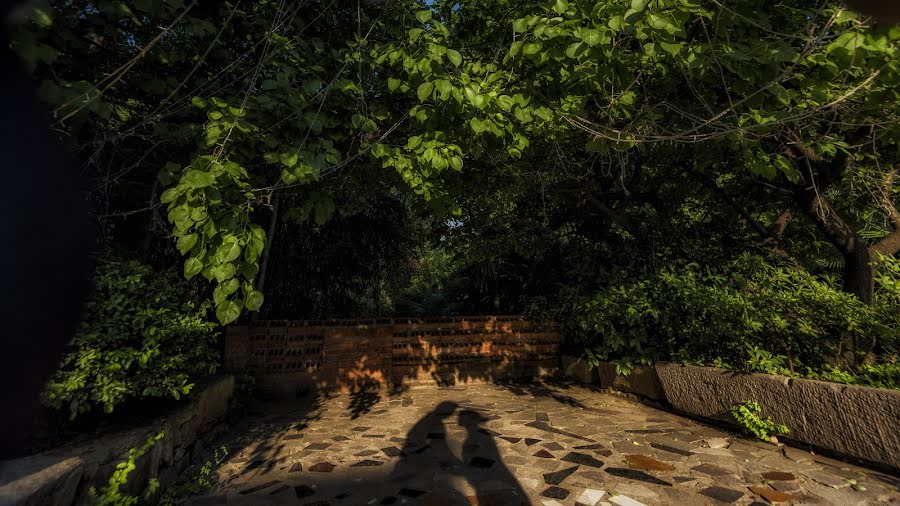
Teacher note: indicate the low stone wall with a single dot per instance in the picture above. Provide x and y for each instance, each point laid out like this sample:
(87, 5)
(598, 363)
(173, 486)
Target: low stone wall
(63, 476)
(288, 357)
(854, 421)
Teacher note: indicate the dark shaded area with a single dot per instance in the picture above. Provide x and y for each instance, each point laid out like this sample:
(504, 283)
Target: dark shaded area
(46, 252)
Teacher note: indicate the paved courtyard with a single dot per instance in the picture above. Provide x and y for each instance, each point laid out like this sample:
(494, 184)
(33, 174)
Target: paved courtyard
(487, 445)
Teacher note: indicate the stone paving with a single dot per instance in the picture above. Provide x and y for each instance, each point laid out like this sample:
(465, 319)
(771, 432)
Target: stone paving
(489, 445)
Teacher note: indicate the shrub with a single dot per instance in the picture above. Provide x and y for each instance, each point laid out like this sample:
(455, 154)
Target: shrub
(749, 415)
(141, 337)
(749, 313)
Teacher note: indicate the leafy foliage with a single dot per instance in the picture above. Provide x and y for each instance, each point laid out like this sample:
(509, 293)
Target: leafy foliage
(749, 313)
(111, 493)
(748, 414)
(141, 337)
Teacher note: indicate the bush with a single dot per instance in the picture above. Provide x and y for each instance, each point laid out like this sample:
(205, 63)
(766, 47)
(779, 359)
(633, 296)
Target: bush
(749, 314)
(141, 337)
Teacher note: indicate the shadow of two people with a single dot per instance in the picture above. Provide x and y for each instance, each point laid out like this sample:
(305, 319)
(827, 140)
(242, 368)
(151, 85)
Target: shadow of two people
(478, 477)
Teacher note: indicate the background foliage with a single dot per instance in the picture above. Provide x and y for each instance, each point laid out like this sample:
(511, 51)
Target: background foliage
(669, 179)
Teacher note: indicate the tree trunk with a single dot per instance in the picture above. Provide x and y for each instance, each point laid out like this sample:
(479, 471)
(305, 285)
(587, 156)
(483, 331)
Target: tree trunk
(264, 259)
(858, 277)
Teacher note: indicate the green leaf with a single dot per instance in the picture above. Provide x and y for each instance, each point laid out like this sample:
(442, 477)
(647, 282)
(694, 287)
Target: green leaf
(393, 84)
(639, 5)
(561, 6)
(671, 48)
(225, 272)
(253, 301)
(413, 142)
(443, 86)
(169, 195)
(414, 34)
(531, 48)
(198, 179)
(506, 102)
(198, 102)
(228, 251)
(520, 25)
(616, 22)
(455, 57)
(227, 312)
(456, 163)
(423, 16)
(214, 115)
(186, 242)
(192, 267)
(312, 86)
(591, 36)
(424, 91)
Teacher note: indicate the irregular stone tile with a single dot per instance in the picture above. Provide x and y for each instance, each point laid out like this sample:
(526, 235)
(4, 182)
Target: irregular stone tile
(544, 454)
(582, 459)
(489, 432)
(512, 440)
(779, 476)
(411, 492)
(605, 453)
(481, 462)
(551, 502)
(594, 446)
(556, 493)
(557, 477)
(398, 440)
(365, 453)
(645, 431)
(590, 497)
(714, 451)
(772, 495)
(671, 449)
(360, 429)
(722, 494)
(553, 446)
(638, 461)
(368, 463)
(318, 446)
(717, 442)
(279, 489)
(785, 486)
(683, 479)
(712, 470)
(392, 451)
(291, 437)
(623, 500)
(531, 441)
(633, 474)
(303, 491)
(827, 478)
(340, 438)
(257, 488)
(322, 467)
(295, 468)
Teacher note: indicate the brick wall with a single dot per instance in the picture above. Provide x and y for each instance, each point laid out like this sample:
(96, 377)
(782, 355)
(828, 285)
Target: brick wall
(349, 354)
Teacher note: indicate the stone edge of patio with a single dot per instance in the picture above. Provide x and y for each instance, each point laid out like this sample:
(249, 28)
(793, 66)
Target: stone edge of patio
(64, 476)
(848, 420)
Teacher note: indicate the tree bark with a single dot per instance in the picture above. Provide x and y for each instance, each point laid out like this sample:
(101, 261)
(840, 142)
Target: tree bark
(858, 275)
(889, 245)
(264, 259)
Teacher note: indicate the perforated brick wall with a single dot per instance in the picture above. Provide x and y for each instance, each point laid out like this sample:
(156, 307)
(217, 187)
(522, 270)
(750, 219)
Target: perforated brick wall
(352, 354)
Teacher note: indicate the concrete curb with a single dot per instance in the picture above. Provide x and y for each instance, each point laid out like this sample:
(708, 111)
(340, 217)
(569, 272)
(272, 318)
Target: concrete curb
(849, 420)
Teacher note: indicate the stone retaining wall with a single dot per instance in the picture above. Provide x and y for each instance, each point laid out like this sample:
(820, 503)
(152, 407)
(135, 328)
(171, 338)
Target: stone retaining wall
(63, 476)
(854, 421)
(290, 356)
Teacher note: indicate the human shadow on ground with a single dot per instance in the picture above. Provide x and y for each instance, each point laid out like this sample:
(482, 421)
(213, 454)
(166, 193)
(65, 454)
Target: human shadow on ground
(478, 477)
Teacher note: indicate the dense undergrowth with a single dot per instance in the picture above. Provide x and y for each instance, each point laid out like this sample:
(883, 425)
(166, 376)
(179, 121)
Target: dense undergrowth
(750, 314)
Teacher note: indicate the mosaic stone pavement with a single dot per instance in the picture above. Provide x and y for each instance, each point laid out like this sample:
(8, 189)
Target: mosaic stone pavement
(488, 445)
